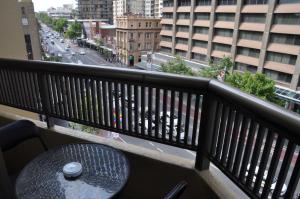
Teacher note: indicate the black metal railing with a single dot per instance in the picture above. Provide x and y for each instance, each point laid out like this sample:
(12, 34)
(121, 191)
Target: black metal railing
(253, 142)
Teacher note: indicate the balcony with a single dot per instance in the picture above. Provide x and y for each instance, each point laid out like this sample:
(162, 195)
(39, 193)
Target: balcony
(166, 32)
(249, 140)
(166, 44)
(201, 23)
(166, 21)
(255, 8)
(222, 40)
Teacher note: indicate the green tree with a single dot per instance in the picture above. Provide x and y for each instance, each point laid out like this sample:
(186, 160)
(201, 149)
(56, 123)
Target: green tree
(43, 16)
(99, 43)
(177, 66)
(74, 30)
(59, 24)
(256, 84)
(214, 69)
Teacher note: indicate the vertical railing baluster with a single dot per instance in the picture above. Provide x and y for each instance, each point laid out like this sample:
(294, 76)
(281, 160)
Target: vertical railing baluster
(221, 132)
(100, 104)
(94, 104)
(228, 133)
(83, 99)
(78, 98)
(149, 126)
(111, 108)
(104, 95)
(196, 118)
(64, 96)
(142, 110)
(129, 107)
(124, 118)
(164, 121)
(117, 105)
(89, 99)
(157, 111)
(178, 129)
(187, 119)
(172, 110)
(136, 109)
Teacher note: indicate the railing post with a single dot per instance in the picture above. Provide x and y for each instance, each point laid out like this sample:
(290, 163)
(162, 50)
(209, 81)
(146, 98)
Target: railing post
(208, 114)
(42, 84)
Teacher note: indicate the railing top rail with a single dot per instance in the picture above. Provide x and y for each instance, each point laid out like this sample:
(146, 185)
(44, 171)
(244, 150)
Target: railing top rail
(275, 115)
(122, 74)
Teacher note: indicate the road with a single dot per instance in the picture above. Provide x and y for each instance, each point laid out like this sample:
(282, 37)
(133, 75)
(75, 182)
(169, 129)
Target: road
(92, 57)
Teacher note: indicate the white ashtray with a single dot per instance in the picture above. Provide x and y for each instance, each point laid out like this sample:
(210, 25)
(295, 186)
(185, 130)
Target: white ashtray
(72, 170)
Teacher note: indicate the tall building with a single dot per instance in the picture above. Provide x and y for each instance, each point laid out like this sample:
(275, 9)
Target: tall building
(149, 8)
(136, 35)
(259, 35)
(30, 29)
(122, 7)
(61, 12)
(96, 9)
(158, 6)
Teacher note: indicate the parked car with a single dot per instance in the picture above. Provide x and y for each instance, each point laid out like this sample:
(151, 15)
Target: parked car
(82, 53)
(61, 40)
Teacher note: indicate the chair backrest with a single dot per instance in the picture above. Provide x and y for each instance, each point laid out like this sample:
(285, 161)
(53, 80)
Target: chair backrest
(10, 136)
(176, 192)
(17, 132)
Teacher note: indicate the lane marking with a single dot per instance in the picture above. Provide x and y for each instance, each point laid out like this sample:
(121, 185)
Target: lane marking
(190, 152)
(151, 143)
(159, 149)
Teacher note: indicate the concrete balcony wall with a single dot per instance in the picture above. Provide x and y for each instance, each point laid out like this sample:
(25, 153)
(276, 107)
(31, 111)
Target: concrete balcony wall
(184, 9)
(199, 50)
(167, 9)
(166, 32)
(285, 68)
(224, 24)
(247, 60)
(287, 8)
(166, 21)
(202, 9)
(284, 48)
(181, 47)
(182, 34)
(202, 23)
(184, 22)
(226, 9)
(219, 54)
(286, 29)
(222, 40)
(152, 174)
(249, 43)
(201, 37)
(252, 26)
(255, 9)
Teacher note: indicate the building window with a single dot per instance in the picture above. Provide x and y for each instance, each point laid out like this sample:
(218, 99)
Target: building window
(227, 2)
(203, 2)
(23, 11)
(25, 22)
(139, 24)
(166, 38)
(245, 67)
(131, 35)
(201, 30)
(168, 3)
(139, 35)
(166, 50)
(156, 24)
(288, 1)
(181, 53)
(223, 32)
(225, 16)
(250, 52)
(167, 15)
(198, 56)
(184, 2)
(201, 44)
(28, 47)
(278, 76)
(156, 35)
(290, 18)
(285, 39)
(146, 24)
(254, 18)
(202, 16)
(250, 35)
(183, 16)
(255, 2)
(181, 41)
(222, 47)
(182, 28)
(150, 24)
(167, 27)
(282, 58)
(148, 35)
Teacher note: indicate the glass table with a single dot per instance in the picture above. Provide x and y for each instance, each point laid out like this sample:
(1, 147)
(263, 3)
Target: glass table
(105, 171)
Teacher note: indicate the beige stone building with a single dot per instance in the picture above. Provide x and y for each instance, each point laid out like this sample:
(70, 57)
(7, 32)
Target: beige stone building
(30, 29)
(259, 35)
(12, 42)
(136, 35)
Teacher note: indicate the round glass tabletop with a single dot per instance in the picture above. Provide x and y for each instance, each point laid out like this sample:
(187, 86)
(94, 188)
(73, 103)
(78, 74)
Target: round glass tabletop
(105, 171)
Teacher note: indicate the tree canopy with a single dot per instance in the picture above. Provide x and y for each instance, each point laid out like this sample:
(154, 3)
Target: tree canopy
(74, 30)
(59, 24)
(177, 66)
(214, 69)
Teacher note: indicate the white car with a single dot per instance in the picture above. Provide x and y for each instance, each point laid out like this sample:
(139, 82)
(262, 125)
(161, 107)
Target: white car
(62, 41)
(273, 185)
(59, 55)
(82, 53)
(73, 53)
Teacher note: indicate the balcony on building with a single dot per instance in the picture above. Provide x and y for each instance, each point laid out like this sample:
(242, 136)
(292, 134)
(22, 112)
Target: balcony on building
(183, 6)
(182, 31)
(224, 20)
(240, 144)
(183, 18)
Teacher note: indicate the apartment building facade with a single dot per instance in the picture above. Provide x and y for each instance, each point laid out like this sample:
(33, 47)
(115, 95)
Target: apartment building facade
(96, 9)
(30, 30)
(259, 35)
(136, 35)
(122, 7)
